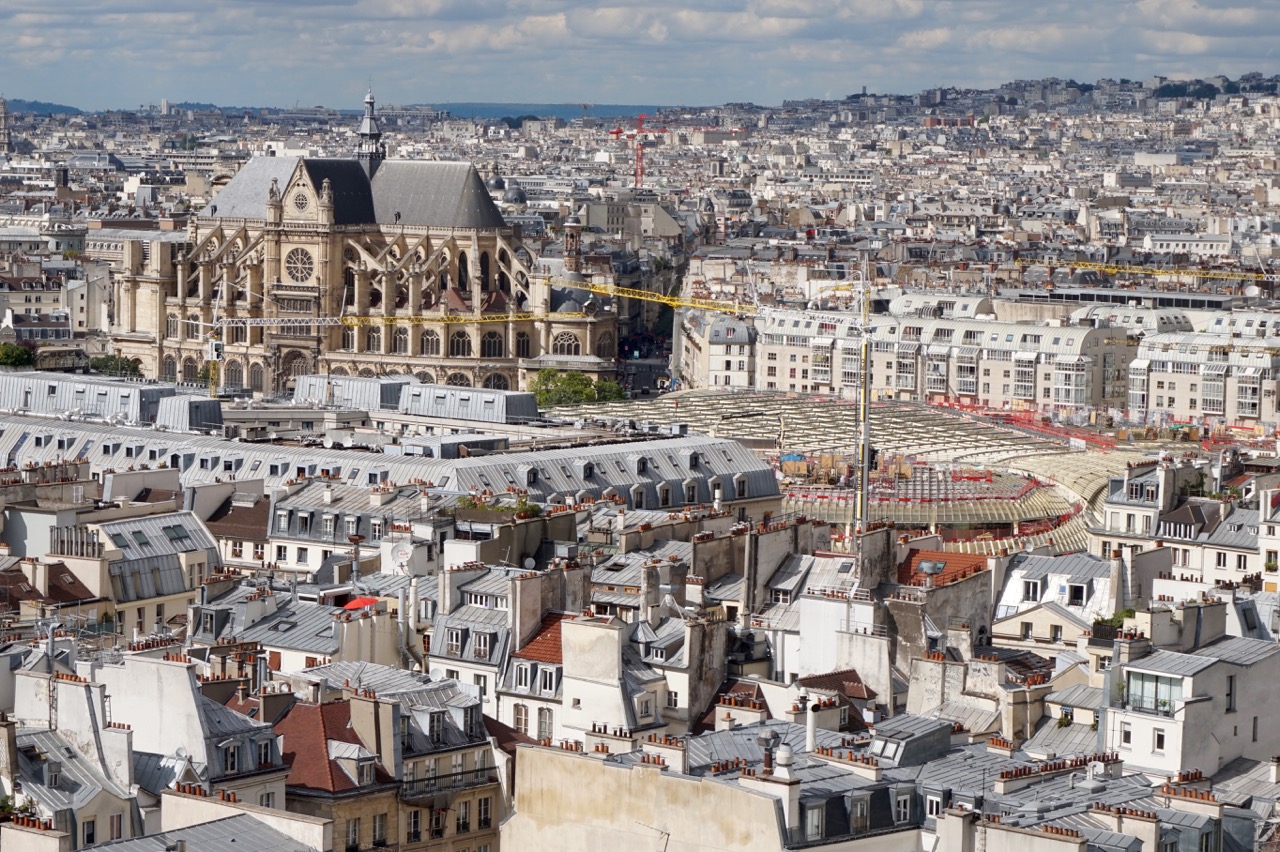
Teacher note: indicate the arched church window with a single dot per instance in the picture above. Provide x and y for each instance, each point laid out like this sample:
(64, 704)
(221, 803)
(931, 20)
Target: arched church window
(460, 345)
(492, 345)
(566, 344)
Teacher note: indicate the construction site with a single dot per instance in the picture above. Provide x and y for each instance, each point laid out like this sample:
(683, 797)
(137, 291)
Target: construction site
(981, 484)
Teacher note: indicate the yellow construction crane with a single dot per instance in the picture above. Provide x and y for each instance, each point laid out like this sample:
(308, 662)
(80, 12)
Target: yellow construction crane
(214, 354)
(457, 319)
(661, 298)
(1139, 269)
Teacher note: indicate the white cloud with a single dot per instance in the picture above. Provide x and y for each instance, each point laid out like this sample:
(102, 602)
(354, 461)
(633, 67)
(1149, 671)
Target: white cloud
(100, 53)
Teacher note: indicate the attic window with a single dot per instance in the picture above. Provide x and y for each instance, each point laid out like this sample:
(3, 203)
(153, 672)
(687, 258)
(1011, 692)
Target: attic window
(284, 626)
(119, 540)
(175, 533)
(435, 726)
(140, 537)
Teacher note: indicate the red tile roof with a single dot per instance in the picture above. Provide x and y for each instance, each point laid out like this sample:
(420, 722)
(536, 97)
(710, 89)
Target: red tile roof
(956, 566)
(845, 682)
(505, 736)
(745, 689)
(307, 729)
(545, 646)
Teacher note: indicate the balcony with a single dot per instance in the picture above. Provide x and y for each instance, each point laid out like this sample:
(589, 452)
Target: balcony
(422, 787)
(1150, 706)
(413, 837)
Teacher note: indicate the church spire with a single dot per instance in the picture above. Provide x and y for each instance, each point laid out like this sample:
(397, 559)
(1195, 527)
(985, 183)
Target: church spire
(370, 152)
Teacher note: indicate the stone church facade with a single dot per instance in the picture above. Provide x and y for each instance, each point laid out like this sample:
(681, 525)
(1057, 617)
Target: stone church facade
(363, 266)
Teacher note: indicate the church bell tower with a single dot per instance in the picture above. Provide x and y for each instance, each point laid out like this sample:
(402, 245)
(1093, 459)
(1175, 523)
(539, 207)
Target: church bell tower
(370, 152)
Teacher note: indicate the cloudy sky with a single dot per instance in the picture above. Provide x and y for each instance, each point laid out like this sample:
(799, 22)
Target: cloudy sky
(97, 54)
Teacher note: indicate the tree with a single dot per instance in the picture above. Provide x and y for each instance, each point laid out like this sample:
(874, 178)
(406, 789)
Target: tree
(116, 365)
(554, 388)
(15, 355)
(609, 391)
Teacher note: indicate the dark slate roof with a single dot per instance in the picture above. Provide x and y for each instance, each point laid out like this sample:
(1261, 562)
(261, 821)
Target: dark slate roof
(442, 195)
(245, 195)
(352, 195)
(446, 195)
(241, 831)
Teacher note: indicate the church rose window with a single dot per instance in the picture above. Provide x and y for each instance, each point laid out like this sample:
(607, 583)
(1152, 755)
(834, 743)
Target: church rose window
(299, 265)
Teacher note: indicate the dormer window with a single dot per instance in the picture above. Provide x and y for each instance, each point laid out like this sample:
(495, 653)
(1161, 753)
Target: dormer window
(453, 641)
(547, 680)
(264, 753)
(231, 759)
(435, 726)
(482, 646)
(522, 677)
(364, 772)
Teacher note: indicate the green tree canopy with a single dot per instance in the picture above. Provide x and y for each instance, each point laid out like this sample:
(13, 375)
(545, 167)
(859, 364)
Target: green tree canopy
(116, 365)
(15, 355)
(553, 388)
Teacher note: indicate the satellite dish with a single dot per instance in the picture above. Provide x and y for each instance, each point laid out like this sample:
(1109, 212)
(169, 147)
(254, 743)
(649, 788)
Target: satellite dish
(437, 674)
(180, 752)
(529, 563)
(1253, 291)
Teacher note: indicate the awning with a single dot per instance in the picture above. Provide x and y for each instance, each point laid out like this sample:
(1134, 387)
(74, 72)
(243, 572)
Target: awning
(1251, 372)
(938, 351)
(1025, 356)
(1140, 364)
(823, 341)
(360, 603)
(1213, 369)
(968, 352)
(908, 348)
(1070, 359)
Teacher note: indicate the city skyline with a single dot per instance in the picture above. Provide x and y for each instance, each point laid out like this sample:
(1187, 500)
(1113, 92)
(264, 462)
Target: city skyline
(120, 53)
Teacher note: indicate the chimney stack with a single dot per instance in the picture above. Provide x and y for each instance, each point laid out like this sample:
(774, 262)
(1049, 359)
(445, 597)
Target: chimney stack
(810, 724)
